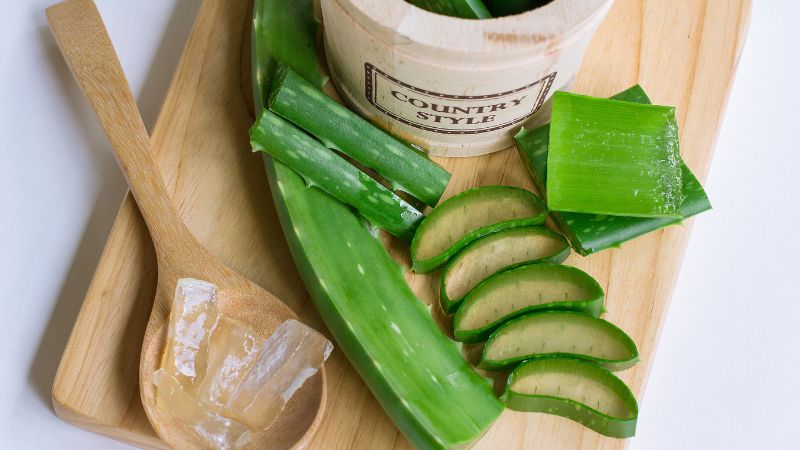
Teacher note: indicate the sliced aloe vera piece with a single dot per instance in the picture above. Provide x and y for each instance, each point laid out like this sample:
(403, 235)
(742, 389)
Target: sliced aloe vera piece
(559, 333)
(580, 391)
(590, 233)
(469, 215)
(466, 9)
(298, 101)
(345, 269)
(613, 157)
(496, 252)
(525, 289)
(324, 168)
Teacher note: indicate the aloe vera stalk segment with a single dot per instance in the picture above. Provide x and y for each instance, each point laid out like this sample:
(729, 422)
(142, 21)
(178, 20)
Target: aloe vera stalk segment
(469, 215)
(525, 289)
(613, 157)
(296, 100)
(494, 253)
(466, 9)
(590, 233)
(325, 169)
(559, 333)
(579, 391)
(345, 270)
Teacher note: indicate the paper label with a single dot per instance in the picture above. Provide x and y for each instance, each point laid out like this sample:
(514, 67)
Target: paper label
(453, 114)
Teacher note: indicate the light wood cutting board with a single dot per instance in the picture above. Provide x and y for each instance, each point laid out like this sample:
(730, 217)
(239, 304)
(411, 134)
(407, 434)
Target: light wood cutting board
(684, 56)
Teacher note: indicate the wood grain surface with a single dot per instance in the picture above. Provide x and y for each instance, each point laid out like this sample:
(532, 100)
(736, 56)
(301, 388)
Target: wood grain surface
(683, 56)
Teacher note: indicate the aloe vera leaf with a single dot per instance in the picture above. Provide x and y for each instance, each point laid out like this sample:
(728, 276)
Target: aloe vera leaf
(345, 270)
(494, 253)
(466, 9)
(500, 8)
(325, 169)
(613, 157)
(296, 100)
(525, 289)
(590, 233)
(579, 391)
(469, 215)
(559, 333)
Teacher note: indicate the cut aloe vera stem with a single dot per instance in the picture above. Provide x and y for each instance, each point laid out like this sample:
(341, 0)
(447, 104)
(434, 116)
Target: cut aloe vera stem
(325, 169)
(466, 9)
(580, 391)
(590, 233)
(494, 253)
(613, 157)
(525, 289)
(469, 215)
(337, 127)
(294, 21)
(559, 333)
(345, 269)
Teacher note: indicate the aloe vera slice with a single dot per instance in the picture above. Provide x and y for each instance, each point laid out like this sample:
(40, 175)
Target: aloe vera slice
(466, 9)
(325, 169)
(469, 215)
(345, 270)
(590, 233)
(298, 101)
(613, 157)
(559, 333)
(579, 391)
(525, 289)
(496, 252)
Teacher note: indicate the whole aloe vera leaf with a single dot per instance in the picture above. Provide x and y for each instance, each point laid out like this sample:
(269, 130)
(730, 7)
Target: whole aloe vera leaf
(301, 103)
(321, 167)
(436, 400)
(466, 9)
(590, 233)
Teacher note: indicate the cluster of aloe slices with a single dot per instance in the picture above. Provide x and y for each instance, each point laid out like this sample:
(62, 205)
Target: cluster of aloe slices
(503, 279)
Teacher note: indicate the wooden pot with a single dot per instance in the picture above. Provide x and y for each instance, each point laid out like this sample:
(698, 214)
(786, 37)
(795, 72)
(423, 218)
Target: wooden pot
(456, 87)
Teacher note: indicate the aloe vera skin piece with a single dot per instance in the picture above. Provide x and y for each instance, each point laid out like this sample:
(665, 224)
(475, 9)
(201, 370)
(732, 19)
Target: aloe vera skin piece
(559, 333)
(470, 215)
(579, 391)
(325, 169)
(501, 8)
(495, 253)
(590, 233)
(465, 9)
(525, 289)
(345, 270)
(613, 157)
(299, 102)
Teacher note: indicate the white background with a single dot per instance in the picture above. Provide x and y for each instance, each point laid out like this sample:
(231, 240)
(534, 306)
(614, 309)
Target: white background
(726, 372)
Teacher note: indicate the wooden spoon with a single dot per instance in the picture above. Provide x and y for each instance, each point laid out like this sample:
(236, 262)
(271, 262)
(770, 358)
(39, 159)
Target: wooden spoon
(85, 44)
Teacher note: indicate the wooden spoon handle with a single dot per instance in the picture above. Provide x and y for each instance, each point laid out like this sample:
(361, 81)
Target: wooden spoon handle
(84, 42)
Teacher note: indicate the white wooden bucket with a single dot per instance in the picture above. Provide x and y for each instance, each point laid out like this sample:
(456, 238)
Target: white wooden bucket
(456, 87)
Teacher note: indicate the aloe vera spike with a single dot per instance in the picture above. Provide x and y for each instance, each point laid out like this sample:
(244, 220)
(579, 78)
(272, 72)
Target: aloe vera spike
(296, 100)
(465, 9)
(323, 168)
(345, 270)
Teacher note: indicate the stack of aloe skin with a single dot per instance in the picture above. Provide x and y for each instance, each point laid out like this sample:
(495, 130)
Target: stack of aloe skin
(478, 9)
(502, 277)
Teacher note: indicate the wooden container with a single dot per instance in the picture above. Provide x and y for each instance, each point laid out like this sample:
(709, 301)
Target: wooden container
(456, 87)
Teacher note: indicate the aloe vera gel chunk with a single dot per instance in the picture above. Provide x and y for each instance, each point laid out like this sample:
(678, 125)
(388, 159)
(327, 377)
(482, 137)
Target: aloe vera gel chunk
(613, 157)
(469, 215)
(580, 391)
(559, 333)
(494, 253)
(528, 288)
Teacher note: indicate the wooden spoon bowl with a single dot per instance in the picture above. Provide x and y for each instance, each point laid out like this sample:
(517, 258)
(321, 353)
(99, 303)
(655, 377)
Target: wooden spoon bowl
(84, 42)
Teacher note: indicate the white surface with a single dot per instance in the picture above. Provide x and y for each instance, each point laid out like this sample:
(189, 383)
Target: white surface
(725, 374)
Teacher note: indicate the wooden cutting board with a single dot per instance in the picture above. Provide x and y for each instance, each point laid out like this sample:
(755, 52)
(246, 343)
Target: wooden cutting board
(684, 56)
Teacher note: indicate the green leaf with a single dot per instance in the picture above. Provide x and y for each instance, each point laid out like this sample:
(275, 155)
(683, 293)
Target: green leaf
(466, 9)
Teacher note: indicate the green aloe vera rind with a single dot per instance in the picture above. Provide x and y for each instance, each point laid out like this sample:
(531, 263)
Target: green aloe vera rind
(301, 103)
(590, 233)
(375, 318)
(321, 167)
(465, 9)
